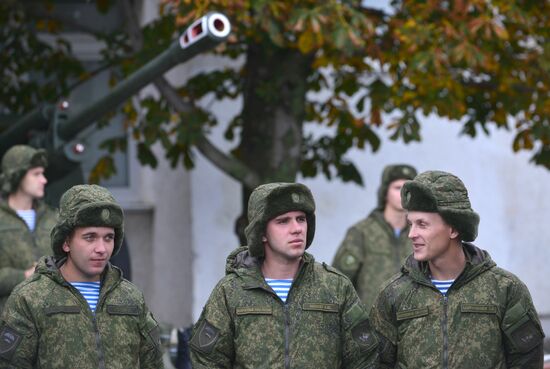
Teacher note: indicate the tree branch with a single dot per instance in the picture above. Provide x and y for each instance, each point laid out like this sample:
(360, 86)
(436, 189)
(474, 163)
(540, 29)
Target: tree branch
(229, 165)
(67, 21)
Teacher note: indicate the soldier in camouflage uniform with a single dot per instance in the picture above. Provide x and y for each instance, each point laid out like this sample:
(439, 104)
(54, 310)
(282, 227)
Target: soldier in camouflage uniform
(48, 323)
(374, 248)
(245, 323)
(22, 185)
(484, 320)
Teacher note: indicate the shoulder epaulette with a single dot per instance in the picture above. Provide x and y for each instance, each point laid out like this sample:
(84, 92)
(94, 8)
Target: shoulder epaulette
(392, 280)
(332, 269)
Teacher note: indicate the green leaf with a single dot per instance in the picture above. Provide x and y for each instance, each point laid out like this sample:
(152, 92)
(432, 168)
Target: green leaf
(146, 156)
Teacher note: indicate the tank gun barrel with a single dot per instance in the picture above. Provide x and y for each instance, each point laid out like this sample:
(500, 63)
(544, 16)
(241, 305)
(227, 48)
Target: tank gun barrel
(203, 34)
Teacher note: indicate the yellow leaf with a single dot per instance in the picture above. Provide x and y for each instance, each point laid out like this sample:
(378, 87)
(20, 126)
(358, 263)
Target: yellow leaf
(500, 117)
(41, 25)
(500, 31)
(410, 23)
(305, 42)
(523, 140)
(183, 20)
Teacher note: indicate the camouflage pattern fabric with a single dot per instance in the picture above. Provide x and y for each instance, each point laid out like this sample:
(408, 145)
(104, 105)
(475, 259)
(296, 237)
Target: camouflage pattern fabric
(244, 325)
(443, 193)
(47, 324)
(272, 199)
(370, 254)
(487, 320)
(19, 247)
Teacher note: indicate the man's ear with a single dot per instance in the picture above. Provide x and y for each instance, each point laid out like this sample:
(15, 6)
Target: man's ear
(66, 247)
(264, 239)
(454, 233)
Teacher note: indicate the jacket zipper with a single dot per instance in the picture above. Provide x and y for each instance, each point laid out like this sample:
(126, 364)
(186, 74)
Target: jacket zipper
(100, 354)
(286, 313)
(99, 346)
(287, 336)
(445, 334)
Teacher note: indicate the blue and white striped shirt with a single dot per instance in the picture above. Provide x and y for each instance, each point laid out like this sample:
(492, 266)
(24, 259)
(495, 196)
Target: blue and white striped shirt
(90, 291)
(280, 286)
(443, 286)
(29, 216)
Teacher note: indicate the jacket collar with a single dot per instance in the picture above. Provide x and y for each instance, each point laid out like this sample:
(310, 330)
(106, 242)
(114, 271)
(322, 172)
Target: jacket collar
(248, 267)
(49, 267)
(477, 262)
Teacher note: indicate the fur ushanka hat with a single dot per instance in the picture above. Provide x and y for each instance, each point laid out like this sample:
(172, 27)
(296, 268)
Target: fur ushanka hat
(273, 199)
(87, 206)
(15, 164)
(392, 173)
(443, 193)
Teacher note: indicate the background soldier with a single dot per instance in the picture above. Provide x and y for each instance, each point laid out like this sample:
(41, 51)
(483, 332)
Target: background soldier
(25, 221)
(451, 306)
(277, 307)
(374, 248)
(76, 311)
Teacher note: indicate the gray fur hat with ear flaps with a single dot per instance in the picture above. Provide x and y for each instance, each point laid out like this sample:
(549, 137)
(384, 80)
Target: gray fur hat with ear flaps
(445, 194)
(271, 200)
(393, 173)
(87, 206)
(15, 164)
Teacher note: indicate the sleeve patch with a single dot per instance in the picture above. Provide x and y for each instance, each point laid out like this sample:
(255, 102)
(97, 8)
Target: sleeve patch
(364, 336)
(154, 335)
(526, 337)
(348, 261)
(205, 337)
(9, 341)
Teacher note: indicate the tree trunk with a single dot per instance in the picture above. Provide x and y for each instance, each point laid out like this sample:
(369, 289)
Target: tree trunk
(275, 85)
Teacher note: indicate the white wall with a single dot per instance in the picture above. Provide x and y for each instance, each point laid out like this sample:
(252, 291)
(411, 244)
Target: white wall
(505, 189)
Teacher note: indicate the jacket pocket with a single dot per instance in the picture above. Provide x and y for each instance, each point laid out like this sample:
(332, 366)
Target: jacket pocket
(9, 228)
(64, 309)
(123, 310)
(478, 308)
(412, 313)
(319, 306)
(477, 330)
(253, 310)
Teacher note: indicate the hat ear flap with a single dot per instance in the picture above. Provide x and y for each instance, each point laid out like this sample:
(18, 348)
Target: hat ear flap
(417, 197)
(465, 222)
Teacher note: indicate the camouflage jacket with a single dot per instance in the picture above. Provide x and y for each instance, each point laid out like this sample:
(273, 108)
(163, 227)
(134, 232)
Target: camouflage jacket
(47, 324)
(486, 321)
(370, 254)
(244, 325)
(19, 247)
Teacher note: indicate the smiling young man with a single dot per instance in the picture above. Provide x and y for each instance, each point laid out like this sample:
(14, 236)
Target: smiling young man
(276, 307)
(25, 220)
(450, 306)
(76, 310)
(375, 247)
